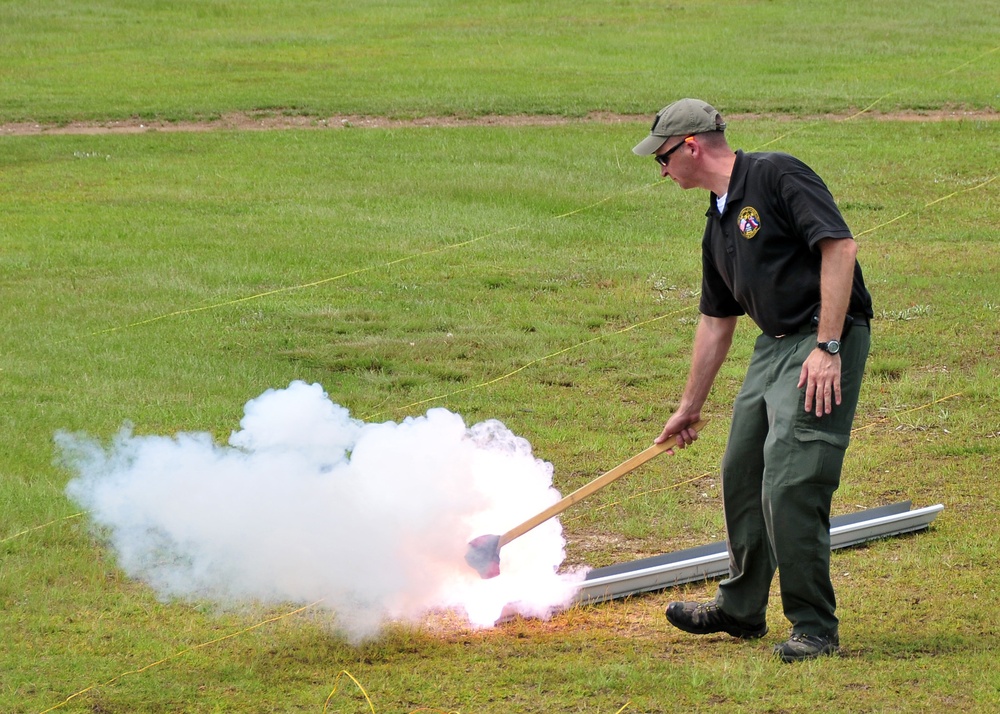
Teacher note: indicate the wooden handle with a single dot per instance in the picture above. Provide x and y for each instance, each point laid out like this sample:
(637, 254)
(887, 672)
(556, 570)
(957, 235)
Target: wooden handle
(594, 486)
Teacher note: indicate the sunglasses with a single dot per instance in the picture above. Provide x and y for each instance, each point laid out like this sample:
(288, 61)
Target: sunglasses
(664, 159)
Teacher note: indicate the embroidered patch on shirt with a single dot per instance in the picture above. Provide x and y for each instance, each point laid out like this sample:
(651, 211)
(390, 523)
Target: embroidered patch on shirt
(749, 222)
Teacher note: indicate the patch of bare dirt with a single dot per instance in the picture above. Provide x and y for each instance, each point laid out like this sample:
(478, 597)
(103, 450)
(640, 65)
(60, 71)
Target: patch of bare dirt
(269, 121)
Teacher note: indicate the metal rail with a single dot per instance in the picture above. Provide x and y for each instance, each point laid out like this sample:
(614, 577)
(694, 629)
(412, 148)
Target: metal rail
(712, 561)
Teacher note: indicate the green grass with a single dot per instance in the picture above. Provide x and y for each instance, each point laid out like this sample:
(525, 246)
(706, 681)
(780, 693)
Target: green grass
(167, 278)
(108, 59)
(130, 265)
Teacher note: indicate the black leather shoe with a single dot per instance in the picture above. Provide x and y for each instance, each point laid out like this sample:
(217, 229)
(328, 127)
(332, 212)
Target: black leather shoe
(799, 647)
(706, 618)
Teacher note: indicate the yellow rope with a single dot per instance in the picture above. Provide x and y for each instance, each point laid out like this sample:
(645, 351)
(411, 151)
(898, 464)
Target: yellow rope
(927, 205)
(712, 473)
(905, 411)
(336, 683)
(179, 654)
(44, 525)
(303, 286)
(883, 97)
(358, 271)
(524, 366)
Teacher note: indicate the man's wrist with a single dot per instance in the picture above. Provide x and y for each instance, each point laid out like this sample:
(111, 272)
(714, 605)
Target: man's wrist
(831, 347)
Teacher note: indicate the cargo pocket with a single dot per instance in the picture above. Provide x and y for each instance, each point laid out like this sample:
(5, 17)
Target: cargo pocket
(820, 456)
(805, 435)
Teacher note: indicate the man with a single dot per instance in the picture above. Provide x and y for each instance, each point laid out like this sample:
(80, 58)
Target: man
(777, 249)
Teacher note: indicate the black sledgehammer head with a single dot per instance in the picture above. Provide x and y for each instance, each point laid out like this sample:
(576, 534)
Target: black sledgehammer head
(484, 555)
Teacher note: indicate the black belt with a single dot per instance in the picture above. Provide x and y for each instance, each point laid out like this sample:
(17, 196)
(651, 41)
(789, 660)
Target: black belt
(853, 320)
(860, 320)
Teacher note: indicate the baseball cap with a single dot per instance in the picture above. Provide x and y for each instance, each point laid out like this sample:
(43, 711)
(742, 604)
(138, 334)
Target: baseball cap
(683, 117)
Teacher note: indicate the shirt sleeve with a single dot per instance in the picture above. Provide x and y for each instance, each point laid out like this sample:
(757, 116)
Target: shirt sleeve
(811, 206)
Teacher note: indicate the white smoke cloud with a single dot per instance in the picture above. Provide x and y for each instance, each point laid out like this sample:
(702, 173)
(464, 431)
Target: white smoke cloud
(306, 503)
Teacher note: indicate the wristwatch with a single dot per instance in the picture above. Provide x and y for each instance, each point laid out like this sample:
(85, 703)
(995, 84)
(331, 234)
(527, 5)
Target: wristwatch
(833, 346)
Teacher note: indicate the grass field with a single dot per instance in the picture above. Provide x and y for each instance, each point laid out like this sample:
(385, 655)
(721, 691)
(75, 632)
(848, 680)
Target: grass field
(67, 59)
(538, 274)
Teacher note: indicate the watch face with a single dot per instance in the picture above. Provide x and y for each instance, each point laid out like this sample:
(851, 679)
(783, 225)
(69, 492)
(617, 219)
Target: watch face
(833, 347)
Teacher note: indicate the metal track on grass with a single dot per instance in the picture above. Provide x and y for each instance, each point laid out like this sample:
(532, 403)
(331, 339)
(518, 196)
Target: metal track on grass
(712, 561)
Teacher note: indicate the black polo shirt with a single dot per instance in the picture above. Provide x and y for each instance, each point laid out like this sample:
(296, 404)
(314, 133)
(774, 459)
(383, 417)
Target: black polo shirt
(760, 257)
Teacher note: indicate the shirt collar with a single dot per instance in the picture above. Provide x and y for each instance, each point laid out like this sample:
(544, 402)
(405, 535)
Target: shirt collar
(737, 183)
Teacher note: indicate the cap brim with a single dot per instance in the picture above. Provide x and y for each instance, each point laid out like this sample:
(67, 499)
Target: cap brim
(649, 145)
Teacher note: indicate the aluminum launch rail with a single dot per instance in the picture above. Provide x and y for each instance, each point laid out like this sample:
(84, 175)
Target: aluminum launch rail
(712, 561)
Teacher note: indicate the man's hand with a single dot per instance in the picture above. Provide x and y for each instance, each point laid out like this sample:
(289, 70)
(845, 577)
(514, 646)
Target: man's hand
(679, 424)
(820, 376)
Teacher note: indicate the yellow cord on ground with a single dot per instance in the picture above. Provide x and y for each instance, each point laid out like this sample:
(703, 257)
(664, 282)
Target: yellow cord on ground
(533, 362)
(44, 525)
(336, 683)
(179, 654)
(711, 473)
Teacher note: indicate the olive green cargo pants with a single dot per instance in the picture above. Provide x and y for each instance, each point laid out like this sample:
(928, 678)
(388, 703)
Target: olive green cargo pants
(780, 470)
